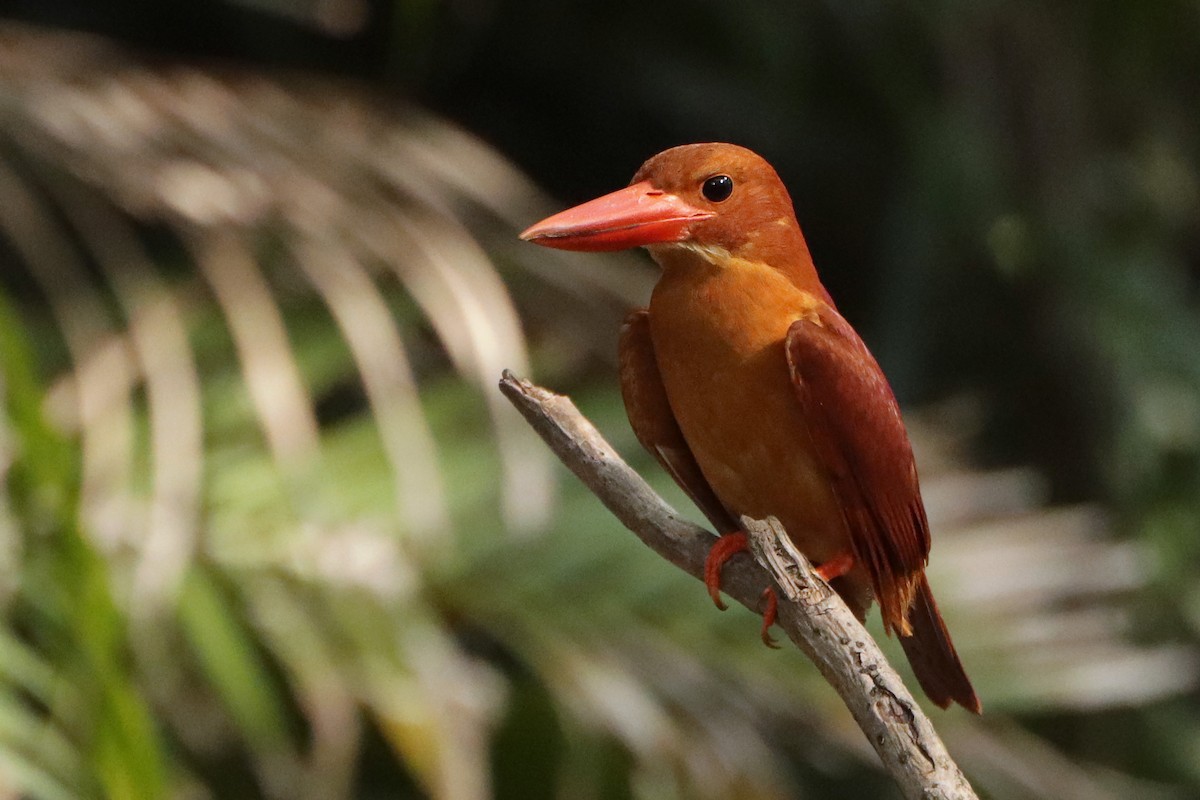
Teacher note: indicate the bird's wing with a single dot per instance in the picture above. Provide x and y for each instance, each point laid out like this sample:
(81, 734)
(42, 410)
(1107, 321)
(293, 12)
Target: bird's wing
(654, 423)
(855, 426)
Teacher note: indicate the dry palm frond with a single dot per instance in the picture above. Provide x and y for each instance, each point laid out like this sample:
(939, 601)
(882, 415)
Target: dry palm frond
(290, 446)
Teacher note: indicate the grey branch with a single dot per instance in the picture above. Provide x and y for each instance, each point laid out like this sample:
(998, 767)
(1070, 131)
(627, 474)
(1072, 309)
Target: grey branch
(811, 614)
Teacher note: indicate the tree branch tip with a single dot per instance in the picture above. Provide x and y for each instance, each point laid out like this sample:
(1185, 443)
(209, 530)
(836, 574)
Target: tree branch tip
(525, 391)
(510, 382)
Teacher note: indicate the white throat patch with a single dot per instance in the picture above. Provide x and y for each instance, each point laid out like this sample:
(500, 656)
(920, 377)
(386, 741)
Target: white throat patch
(709, 252)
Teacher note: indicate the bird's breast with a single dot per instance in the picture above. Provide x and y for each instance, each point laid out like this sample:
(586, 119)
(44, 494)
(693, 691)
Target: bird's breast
(719, 342)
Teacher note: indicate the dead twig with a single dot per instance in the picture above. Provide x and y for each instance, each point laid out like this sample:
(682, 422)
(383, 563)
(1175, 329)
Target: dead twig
(811, 614)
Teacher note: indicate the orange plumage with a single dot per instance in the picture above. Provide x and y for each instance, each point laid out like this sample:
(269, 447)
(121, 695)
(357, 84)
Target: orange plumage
(749, 387)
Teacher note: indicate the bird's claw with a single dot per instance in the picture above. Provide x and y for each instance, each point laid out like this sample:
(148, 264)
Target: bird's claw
(727, 546)
(770, 613)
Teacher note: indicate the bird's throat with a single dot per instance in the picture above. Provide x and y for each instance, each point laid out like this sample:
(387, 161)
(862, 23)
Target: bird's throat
(681, 261)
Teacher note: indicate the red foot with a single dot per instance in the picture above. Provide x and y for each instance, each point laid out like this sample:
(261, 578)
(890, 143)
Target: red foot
(835, 567)
(728, 546)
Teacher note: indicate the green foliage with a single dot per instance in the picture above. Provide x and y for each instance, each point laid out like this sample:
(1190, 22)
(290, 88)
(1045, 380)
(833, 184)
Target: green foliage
(72, 661)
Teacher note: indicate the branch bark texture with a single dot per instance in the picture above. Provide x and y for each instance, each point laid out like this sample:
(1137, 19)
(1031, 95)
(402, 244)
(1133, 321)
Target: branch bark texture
(812, 615)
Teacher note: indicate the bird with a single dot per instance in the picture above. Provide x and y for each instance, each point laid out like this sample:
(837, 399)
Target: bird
(756, 395)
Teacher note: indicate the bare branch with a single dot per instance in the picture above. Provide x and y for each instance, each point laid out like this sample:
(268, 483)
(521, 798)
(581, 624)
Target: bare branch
(813, 616)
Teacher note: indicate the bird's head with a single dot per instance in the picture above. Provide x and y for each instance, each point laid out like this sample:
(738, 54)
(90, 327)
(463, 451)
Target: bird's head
(714, 201)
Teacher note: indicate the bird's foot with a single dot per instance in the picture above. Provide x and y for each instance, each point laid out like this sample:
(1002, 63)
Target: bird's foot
(727, 546)
(835, 567)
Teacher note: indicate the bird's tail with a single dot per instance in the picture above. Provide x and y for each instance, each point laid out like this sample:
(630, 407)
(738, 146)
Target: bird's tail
(932, 654)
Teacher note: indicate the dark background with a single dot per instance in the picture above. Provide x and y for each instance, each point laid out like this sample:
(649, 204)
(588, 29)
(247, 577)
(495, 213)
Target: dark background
(1003, 197)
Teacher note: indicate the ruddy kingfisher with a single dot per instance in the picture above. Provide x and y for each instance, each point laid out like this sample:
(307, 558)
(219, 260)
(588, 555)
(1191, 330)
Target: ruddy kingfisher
(759, 398)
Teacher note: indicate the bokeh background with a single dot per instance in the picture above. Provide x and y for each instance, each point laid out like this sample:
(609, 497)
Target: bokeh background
(267, 530)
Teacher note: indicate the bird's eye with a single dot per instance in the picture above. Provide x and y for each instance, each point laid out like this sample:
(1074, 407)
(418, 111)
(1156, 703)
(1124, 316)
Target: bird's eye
(717, 188)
